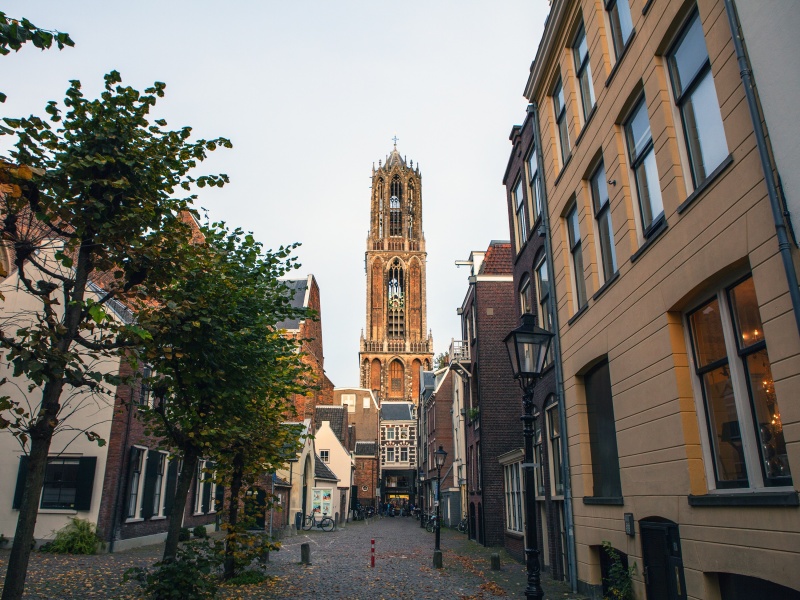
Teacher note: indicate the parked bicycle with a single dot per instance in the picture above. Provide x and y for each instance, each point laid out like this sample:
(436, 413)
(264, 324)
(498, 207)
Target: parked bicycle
(463, 526)
(325, 523)
(430, 525)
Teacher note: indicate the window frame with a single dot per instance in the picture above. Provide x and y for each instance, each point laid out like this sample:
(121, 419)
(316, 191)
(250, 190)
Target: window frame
(610, 5)
(513, 497)
(735, 360)
(583, 72)
(576, 252)
(555, 441)
(325, 456)
(683, 95)
(161, 483)
(638, 159)
(136, 498)
(525, 296)
(534, 182)
(64, 461)
(602, 214)
(520, 221)
(562, 128)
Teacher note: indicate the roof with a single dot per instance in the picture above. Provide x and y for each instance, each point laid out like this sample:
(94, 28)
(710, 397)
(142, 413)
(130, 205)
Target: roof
(366, 449)
(297, 288)
(395, 159)
(280, 482)
(428, 384)
(498, 259)
(396, 411)
(335, 415)
(321, 470)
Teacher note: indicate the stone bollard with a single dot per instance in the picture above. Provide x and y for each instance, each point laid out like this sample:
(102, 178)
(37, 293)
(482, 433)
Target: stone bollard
(437, 559)
(495, 561)
(305, 553)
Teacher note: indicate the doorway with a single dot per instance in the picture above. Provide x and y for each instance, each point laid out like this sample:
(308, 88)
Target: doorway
(663, 563)
(255, 507)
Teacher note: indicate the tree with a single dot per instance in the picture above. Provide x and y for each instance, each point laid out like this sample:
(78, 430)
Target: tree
(224, 374)
(16, 32)
(441, 361)
(100, 215)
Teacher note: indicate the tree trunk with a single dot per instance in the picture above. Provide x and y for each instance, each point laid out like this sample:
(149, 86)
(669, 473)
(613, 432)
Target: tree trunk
(190, 459)
(41, 436)
(233, 515)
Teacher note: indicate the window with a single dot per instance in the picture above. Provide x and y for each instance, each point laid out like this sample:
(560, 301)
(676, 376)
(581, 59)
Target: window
(583, 71)
(519, 208)
(602, 432)
(395, 215)
(390, 454)
(537, 452)
(60, 483)
(404, 433)
(325, 455)
(602, 215)
(396, 379)
(349, 400)
(561, 121)
(134, 482)
(554, 431)
(390, 433)
(643, 163)
(404, 454)
(576, 250)
(525, 302)
(533, 178)
(365, 405)
(543, 293)
(513, 497)
(619, 15)
(158, 483)
(693, 85)
(478, 464)
(144, 389)
(742, 418)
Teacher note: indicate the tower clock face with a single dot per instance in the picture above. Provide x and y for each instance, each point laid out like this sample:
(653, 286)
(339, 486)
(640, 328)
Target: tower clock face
(396, 301)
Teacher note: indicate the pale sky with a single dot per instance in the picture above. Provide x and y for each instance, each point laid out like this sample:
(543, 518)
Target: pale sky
(311, 93)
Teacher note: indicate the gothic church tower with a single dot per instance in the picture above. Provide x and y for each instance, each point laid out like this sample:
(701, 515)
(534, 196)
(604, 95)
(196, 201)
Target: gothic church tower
(396, 343)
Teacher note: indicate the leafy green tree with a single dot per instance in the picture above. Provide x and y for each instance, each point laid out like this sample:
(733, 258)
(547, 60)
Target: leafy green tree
(223, 372)
(100, 222)
(16, 32)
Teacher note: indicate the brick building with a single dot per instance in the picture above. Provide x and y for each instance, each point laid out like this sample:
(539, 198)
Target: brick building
(363, 418)
(396, 343)
(398, 453)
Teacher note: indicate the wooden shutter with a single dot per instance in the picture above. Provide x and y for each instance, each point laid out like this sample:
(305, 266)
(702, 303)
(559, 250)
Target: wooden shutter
(85, 482)
(172, 483)
(206, 494)
(150, 475)
(219, 497)
(22, 475)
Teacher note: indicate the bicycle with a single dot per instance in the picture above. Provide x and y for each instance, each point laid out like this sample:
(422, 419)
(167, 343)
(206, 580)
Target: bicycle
(325, 523)
(462, 526)
(430, 526)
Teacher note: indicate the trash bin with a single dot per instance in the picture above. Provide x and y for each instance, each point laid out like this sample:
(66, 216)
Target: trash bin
(298, 521)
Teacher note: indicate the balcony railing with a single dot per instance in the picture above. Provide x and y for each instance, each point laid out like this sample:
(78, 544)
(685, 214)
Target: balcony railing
(396, 245)
(417, 347)
(459, 351)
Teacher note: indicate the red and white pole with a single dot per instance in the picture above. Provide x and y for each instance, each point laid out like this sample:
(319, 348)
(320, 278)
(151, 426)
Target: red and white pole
(372, 555)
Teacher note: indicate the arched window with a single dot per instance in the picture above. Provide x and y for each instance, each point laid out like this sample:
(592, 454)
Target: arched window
(395, 295)
(410, 210)
(379, 196)
(395, 215)
(525, 303)
(396, 379)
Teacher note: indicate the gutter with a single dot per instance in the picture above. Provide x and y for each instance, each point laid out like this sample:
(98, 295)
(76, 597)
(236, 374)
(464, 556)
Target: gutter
(759, 128)
(569, 522)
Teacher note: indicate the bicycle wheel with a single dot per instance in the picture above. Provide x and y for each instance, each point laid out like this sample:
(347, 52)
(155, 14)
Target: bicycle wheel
(462, 527)
(308, 523)
(431, 526)
(327, 524)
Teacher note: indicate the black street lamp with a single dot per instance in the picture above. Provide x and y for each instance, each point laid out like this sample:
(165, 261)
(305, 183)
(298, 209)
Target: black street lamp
(527, 347)
(421, 500)
(440, 455)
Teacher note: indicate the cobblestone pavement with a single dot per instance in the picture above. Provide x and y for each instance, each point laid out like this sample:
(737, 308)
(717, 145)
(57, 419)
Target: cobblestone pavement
(340, 569)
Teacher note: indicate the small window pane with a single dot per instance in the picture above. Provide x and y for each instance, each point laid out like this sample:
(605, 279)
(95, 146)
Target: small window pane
(704, 130)
(746, 315)
(619, 13)
(689, 56)
(709, 342)
(723, 422)
(638, 131)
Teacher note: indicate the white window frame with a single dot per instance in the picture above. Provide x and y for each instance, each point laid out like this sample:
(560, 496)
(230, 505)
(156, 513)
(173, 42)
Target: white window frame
(139, 488)
(582, 60)
(513, 497)
(561, 121)
(158, 493)
(518, 196)
(403, 450)
(616, 26)
(534, 191)
(554, 458)
(603, 222)
(325, 456)
(575, 242)
(390, 454)
(640, 155)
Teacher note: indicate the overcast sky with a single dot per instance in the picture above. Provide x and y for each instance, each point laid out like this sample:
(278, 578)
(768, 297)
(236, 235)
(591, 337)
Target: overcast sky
(311, 93)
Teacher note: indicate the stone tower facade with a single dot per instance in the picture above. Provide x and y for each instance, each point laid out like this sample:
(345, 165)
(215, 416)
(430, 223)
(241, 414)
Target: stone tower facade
(396, 343)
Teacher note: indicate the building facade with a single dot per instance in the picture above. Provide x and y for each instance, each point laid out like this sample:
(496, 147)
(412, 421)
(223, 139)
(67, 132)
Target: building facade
(398, 453)
(676, 300)
(396, 343)
(363, 417)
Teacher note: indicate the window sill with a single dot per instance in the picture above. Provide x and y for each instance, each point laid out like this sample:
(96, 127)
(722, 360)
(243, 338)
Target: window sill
(58, 511)
(158, 518)
(605, 286)
(652, 235)
(647, 6)
(619, 59)
(515, 534)
(604, 500)
(563, 170)
(789, 498)
(134, 520)
(585, 125)
(705, 183)
(578, 314)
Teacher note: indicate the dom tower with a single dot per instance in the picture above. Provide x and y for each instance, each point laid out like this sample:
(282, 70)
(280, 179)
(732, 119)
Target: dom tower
(395, 343)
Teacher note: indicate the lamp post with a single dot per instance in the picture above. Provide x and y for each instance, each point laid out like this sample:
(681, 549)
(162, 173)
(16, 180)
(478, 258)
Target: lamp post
(527, 347)
(421, 500)
(440, 455)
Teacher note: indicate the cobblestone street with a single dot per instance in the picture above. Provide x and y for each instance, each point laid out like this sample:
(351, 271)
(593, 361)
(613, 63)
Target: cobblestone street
(340, 569)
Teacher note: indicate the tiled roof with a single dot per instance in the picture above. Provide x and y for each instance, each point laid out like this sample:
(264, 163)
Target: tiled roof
(334, 414)
(321, 470)
(296, 287)
(366, 449)
(396, 411)
(281, 482)
(498, 259)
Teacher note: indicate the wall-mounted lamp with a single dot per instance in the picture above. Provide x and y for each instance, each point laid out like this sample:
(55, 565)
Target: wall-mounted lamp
(612, 182)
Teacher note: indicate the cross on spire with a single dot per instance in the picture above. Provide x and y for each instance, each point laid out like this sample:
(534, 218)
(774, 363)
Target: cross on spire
(394, 139)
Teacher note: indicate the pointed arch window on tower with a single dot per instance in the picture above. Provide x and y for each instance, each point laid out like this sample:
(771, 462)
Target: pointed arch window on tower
(396, 379)
(395, 215)
(379, 196)
(395, 294)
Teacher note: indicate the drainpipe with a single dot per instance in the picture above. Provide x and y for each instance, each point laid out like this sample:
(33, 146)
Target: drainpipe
(759, 128)
(562, 411)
